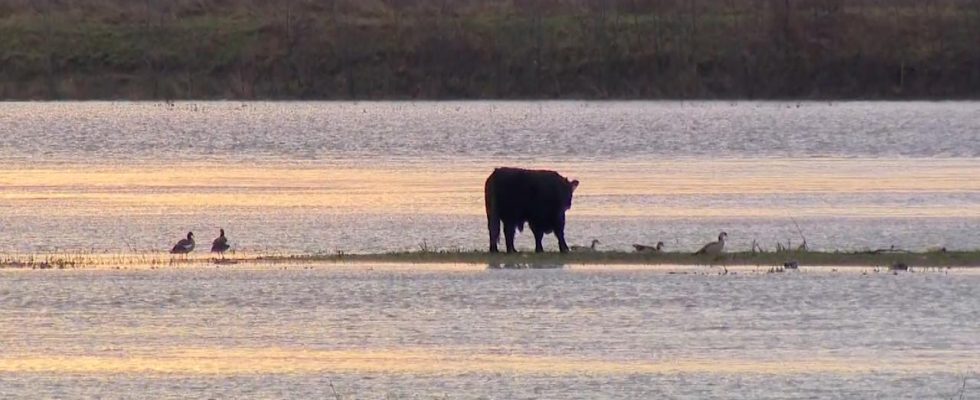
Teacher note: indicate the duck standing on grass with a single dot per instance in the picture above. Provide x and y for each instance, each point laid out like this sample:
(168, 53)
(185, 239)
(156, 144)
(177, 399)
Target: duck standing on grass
(584, 248)
(714, 248)
(220, 244)
(184, 246)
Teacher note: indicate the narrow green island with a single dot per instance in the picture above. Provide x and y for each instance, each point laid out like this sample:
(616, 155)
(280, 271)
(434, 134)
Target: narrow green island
(802, 258)
(877, 258)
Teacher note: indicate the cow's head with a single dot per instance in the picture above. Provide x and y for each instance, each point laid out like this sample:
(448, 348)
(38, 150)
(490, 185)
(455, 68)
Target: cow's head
(570, 186)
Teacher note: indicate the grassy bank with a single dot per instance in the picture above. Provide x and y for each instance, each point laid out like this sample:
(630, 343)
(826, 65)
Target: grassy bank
(437, 49)
(930, 259)
(155, 260)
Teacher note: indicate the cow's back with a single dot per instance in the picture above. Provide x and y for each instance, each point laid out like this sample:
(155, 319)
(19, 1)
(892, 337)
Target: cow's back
(517, 196)
(507, 189)
(518, 193)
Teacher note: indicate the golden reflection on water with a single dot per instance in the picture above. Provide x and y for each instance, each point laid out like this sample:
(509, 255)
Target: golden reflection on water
(239, 361)
(456, 189)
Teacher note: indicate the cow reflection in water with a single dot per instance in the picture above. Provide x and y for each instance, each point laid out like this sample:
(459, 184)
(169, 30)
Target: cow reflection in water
(517, 196)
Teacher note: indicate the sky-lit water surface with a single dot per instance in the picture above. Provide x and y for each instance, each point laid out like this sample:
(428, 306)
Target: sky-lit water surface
(362, 177)
(126, 179)
(382, 331)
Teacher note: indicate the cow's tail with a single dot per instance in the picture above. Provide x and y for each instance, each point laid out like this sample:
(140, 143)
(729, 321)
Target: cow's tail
(493, 218)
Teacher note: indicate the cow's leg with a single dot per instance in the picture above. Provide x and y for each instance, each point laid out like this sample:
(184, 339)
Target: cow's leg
(493, 224)
(538, 235)
(509, 228)
(562, 246)
(560, 234)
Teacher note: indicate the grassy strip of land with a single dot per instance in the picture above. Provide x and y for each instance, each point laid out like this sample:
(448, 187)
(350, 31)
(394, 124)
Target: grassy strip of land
(928, 259)
(503, 260)
(479, 49)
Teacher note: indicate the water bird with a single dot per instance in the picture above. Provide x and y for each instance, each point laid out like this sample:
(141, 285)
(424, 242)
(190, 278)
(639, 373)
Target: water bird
(584, 248)
(714, 248)
(642, 248)
(184, 246)
(791, 264)
(220, 244)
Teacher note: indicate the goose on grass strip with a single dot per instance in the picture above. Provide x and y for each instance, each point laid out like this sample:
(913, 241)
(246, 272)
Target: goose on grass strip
(642, 248)
(220, 244)
(586, 248)
(714, 248)
(184, 246)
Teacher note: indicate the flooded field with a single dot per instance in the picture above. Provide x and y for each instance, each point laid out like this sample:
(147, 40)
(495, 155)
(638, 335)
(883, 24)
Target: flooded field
(376, 177)
(122, 182)
(463, 331)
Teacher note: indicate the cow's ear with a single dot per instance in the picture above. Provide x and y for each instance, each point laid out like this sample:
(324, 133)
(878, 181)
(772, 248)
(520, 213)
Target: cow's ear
(574, 184)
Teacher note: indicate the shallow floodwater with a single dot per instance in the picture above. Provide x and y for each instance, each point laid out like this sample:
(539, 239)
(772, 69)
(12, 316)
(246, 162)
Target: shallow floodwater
(122, 181)
(453, 331)
(367, 177)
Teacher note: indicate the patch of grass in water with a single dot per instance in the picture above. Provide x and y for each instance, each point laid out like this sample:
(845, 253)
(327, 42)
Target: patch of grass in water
(89, 260)
(808, 258)
(505, 261)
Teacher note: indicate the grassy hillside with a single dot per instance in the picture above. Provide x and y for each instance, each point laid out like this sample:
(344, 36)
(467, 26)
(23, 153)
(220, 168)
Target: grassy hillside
(436, 49)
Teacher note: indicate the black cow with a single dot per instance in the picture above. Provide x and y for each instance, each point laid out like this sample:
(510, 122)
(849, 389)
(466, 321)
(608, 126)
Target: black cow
(515, 196)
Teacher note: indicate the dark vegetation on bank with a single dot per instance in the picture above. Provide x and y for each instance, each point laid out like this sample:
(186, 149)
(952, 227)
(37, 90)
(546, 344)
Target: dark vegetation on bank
(474, 49)
(923, 260)
(803, 258)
